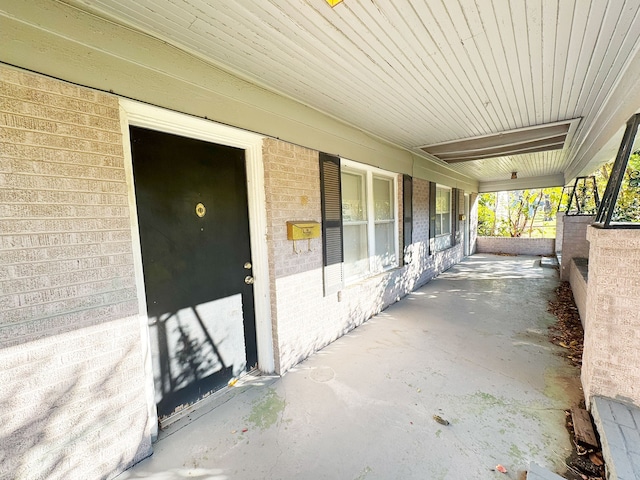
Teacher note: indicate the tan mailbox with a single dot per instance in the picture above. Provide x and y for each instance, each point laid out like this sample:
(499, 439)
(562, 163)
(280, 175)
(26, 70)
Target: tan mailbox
(303, 230)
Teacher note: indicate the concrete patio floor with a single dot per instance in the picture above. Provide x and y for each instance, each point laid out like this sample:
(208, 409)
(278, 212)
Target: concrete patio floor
(470, 346)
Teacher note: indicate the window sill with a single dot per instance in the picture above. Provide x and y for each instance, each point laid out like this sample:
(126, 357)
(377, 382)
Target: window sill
(348, 283)
(442, 242)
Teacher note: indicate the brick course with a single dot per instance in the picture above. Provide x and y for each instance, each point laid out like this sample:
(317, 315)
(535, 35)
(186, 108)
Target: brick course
(516, 246)
(72, 378)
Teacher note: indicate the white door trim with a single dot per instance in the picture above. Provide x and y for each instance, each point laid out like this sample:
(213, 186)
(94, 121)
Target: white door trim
(148, 116)
(467, 225)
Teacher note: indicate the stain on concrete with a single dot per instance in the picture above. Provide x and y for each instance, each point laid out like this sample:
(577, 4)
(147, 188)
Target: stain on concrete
(322, 374)
(517, 456)
(366, 471)
(439, 473)
(562, 383)
(266, 412)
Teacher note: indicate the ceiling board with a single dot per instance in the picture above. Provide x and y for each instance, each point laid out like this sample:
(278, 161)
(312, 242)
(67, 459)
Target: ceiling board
(419, 72)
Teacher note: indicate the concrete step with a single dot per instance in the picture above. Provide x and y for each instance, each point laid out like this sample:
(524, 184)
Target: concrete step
(549, 262)
(618, 425)
(536, 472)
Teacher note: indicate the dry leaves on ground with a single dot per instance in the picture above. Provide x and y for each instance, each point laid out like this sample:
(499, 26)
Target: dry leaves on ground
(567, 332)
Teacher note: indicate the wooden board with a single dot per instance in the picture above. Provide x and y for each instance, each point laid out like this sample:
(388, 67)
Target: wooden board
(583, 427)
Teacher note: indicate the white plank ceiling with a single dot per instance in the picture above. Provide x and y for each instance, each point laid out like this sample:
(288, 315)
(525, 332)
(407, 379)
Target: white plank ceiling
(418, 72)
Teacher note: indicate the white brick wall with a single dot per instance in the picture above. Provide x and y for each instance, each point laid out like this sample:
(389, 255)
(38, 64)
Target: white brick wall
(611, 361)
(292, 186)
(73, 384)
(420, 211)
(73, 404)
(72, 367)
(579, 289)
(304, 320)
(516, 246)
(574, 241)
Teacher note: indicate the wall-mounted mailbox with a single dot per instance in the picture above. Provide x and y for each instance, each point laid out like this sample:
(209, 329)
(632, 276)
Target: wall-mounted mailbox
(303, 230)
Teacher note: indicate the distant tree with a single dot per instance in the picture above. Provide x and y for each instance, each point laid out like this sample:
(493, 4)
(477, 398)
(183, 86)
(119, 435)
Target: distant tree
(487, 214)
(523, 212)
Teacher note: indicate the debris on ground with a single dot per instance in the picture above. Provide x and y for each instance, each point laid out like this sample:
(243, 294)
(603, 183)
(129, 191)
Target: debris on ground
(440, 420)
(583, 427)
(567, 332)
(585, 461)
(501, 469)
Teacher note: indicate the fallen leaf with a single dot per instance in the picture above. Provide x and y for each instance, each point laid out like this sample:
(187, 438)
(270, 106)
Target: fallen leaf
(440, 420)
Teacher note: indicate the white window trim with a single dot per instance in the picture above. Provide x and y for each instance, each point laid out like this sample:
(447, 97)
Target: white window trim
(444, 187)
(355, 167)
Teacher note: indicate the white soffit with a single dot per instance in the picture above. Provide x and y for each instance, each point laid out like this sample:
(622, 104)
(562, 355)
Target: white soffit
(419, 72)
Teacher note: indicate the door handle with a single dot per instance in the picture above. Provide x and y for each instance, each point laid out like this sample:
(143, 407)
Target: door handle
(249, 280)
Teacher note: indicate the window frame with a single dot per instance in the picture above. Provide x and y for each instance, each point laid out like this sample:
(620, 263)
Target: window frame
(441, 188)
(369, 173)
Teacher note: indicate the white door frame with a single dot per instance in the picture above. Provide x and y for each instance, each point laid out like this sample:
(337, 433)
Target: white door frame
(156, 118)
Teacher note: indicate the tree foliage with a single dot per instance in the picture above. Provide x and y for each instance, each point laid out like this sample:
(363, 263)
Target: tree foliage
(627, 208)
(518, 213)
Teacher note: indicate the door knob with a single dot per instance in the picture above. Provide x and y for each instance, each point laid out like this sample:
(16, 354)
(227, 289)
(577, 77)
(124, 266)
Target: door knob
(249, 280)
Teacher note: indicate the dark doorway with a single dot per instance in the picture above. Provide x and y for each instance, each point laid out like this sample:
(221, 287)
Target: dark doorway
(191, 197)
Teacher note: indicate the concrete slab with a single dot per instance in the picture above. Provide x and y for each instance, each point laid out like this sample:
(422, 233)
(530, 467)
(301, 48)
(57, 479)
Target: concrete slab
(618, 424)
(549, 262)
(470, 347)
(536, 472)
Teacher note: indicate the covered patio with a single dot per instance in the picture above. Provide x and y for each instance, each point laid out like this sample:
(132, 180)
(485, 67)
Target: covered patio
(471, 347)
(360, 134)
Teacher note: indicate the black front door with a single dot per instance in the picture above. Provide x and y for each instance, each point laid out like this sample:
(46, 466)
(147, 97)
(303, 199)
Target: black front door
(191, 197)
